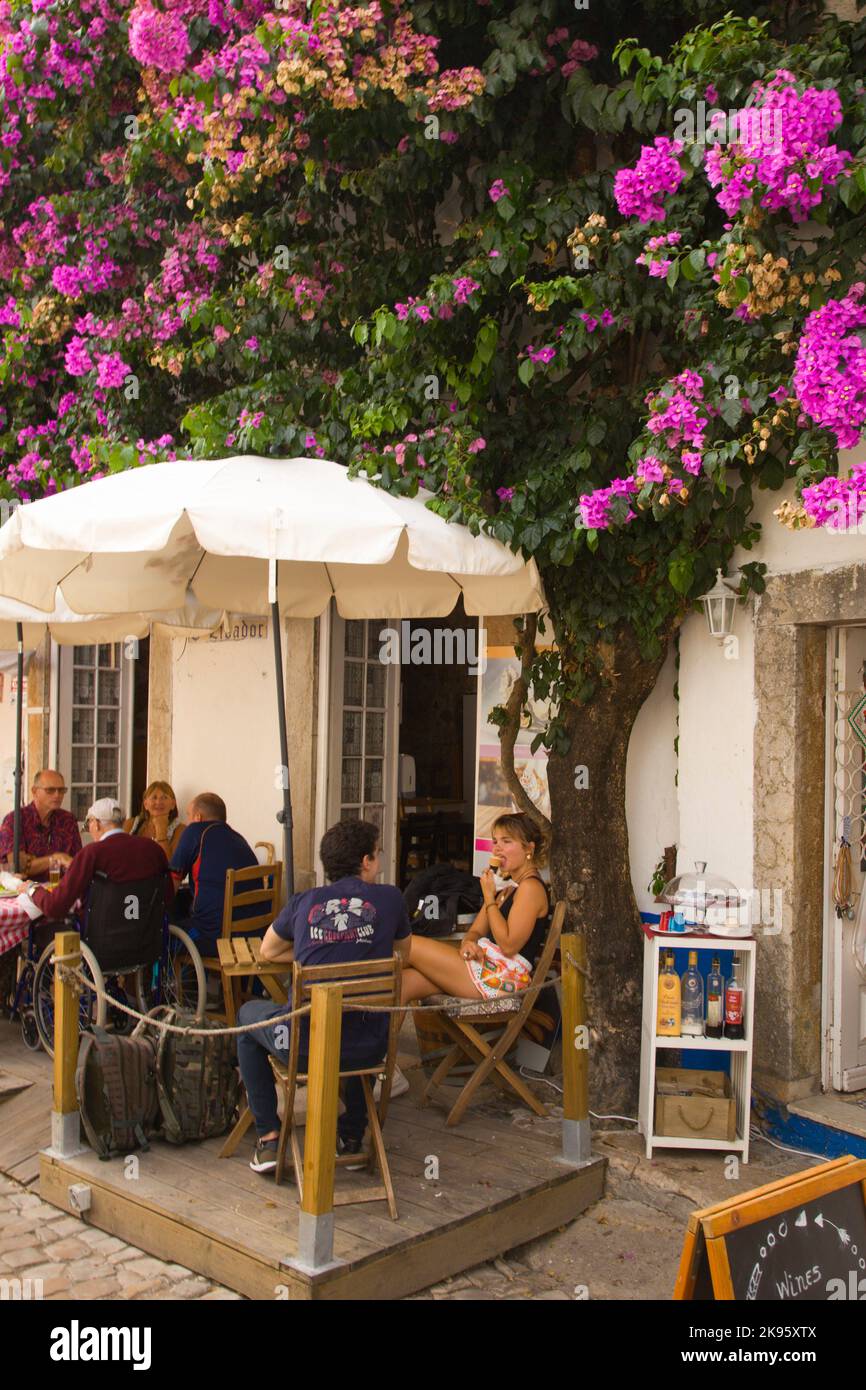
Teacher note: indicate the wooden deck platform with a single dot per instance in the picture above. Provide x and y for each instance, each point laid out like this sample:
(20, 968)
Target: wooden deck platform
(498, 1187)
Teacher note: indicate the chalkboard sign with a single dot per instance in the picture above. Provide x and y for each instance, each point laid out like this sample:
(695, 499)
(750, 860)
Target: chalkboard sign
(797, 1240)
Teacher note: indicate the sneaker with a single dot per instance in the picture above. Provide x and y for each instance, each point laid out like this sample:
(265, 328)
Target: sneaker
(264, 1160)
(351, 1146)
(399, 1086)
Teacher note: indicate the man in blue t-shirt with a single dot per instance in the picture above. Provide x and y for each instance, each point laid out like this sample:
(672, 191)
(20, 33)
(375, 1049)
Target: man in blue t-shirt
(207, 848)
(353, 919)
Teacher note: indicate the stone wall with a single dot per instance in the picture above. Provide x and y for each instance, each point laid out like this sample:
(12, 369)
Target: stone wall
(791, 623)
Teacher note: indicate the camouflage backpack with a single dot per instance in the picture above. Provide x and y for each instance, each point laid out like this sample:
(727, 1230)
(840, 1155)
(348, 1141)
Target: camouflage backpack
(196, 1080)
(115, 1081)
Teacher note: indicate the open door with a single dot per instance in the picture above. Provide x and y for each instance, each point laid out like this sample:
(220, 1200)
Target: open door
(363, 723)
(845, 953)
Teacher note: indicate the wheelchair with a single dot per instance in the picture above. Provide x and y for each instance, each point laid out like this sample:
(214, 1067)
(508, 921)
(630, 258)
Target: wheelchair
(130, 954)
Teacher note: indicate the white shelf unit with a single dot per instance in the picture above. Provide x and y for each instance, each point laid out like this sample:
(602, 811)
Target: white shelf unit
(740, 1049)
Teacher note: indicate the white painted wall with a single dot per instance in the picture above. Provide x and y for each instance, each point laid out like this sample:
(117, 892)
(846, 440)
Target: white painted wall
(224, 731)
(652, 812)
(717, 722)
(717, 700)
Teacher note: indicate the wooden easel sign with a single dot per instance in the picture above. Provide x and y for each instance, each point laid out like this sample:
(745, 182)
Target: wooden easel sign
(802, 1239)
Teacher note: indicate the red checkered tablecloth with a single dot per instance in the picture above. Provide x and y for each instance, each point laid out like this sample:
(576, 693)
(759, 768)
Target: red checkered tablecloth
(13, 924)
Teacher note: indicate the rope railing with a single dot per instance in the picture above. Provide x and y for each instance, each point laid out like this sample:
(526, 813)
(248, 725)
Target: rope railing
(80, 982)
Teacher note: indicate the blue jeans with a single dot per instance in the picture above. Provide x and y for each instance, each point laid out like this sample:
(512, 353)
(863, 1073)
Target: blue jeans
(256, 1074)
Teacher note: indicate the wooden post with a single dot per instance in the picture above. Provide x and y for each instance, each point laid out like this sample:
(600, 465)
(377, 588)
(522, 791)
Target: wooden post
(316, 1219)
(65, 1123)
(576, 1142)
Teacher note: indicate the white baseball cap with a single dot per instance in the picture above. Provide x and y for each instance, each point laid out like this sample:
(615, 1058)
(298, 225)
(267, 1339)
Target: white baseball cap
(105, 809)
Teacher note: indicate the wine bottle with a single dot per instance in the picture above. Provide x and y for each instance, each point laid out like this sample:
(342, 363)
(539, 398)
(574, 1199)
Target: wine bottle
(692, 999)
(734, 1000)
(669, 1000)
(715, 1001)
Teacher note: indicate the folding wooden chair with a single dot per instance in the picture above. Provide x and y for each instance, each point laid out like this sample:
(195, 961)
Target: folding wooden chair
(511, 1013)
(364, 982)
(234, 960)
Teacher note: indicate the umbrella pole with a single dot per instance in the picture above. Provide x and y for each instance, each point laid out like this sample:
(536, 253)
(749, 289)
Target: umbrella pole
(285, 815)
(19, 724)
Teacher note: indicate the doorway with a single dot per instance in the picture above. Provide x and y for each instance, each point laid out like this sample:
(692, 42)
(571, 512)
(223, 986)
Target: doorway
(401, 700)
(437, 745)
(844, 1060)
(362, 731)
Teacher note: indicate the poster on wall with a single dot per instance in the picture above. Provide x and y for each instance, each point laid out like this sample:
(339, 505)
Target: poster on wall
(492, 796)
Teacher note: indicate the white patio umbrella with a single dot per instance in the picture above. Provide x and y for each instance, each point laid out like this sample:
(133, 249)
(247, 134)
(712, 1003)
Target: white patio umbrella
(255, 535)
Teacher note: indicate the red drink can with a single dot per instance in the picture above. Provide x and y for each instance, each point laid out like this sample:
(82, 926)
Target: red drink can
(665, 919)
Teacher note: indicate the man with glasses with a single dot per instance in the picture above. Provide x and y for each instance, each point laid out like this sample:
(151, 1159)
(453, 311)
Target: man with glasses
(47, 831)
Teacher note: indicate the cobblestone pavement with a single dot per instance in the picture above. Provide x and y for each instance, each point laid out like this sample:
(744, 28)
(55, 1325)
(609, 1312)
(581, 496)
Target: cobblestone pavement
(73, 1260)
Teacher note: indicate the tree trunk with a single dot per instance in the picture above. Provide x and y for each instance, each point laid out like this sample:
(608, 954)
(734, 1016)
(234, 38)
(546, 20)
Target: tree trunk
(590, 869)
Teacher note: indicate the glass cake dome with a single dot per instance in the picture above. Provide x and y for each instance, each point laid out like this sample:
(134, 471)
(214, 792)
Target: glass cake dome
(708, 902)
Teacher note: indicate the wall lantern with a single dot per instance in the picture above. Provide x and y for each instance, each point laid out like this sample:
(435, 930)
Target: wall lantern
(719, 607)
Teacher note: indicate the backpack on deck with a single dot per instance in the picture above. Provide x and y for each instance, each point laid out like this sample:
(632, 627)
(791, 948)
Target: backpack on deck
(115, 1081)
(196, 1080)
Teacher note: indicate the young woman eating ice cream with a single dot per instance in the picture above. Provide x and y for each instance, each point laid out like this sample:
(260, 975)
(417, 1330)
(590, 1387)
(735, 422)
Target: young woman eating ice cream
(498, 953)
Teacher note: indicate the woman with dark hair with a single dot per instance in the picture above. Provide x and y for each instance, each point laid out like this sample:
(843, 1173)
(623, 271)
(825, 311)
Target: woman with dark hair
(158, 819)
(498, 953)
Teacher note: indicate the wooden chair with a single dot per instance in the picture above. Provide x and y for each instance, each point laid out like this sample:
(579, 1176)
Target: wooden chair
(511, 1013)
(234, 961)
(370, 982)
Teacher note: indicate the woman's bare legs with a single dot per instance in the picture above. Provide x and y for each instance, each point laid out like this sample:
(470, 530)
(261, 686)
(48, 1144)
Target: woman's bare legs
(435, 968)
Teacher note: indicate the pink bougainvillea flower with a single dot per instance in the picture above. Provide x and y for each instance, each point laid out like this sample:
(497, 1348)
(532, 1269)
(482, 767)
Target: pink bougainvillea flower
(112, 370)
(545, 354)
(158, 40)
(78, 361)
(779, 151)
(477, 445)
(505, 494)
(498, 189)
(639, 192)
(649, 469)
(830, 368)
(463, 287)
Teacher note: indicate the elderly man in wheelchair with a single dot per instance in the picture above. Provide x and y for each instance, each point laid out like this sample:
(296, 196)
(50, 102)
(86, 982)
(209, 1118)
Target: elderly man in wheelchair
(117, 892)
